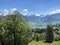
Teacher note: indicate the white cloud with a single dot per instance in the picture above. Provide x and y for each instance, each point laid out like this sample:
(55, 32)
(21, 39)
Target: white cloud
(5, 12)
(56, 11)
(14, 9)
(37, 14)
(26, 12)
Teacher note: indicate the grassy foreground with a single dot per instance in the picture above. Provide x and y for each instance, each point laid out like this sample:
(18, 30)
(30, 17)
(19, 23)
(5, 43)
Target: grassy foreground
(42, 43)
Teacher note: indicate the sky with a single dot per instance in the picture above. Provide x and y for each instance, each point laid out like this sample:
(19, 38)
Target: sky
(31, 6)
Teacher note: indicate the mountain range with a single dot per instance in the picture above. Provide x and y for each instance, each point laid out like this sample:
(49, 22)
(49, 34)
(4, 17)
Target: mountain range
(38, 21)
(46, 19)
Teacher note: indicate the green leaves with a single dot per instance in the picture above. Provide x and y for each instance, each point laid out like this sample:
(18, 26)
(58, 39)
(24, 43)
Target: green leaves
(16, 31)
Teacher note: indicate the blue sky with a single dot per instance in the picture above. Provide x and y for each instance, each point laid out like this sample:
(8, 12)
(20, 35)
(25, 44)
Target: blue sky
(33, 6)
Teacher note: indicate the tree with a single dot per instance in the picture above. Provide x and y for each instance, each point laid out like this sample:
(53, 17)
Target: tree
(37, 38)
(17, 31)
(21, 31)
(49, 34)
(2, 31)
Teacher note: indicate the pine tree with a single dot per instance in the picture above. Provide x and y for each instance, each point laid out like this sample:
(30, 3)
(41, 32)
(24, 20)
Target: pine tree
(49, 34)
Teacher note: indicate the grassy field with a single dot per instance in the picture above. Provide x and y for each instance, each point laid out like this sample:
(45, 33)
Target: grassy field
(42, 43)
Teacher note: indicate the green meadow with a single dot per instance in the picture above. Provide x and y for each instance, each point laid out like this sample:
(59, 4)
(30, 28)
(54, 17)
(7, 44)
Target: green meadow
(42, 43)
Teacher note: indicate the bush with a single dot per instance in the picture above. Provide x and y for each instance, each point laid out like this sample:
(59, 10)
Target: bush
(57, 38)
